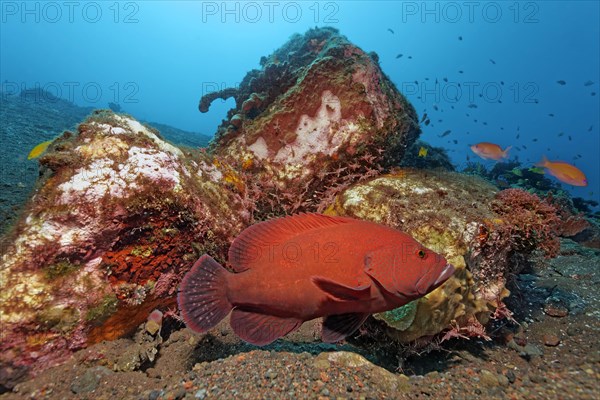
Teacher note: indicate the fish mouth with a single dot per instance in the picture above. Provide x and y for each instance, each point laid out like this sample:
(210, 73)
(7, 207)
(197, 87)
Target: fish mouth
(446, 273)
(443, 276)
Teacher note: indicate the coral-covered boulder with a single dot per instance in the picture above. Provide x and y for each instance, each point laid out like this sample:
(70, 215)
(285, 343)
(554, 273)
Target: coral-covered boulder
(484, 234)
(118, 218)
(319, 113)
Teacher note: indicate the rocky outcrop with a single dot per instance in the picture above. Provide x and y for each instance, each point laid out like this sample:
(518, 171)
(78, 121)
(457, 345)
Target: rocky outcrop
(120, 214)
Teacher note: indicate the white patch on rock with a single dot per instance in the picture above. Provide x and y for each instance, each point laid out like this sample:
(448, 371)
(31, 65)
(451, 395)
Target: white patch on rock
(137, 127)
(322, 133)
(357, 196)
(470, 232)
(105, 128)
(69, 237)
(259, 148)
(157, 166)
(91, 265)
(117, 130)
(101, 178)
(421, 190)
(95, 180)
(210, 170)
(185, 171)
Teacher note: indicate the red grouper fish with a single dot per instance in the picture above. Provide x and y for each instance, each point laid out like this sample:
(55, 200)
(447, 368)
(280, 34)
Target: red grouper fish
(294, 269)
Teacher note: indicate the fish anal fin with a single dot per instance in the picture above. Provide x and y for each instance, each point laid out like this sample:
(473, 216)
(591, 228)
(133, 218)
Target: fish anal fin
(338, 327)
(342, 292)
(255, 241)
(261, 329)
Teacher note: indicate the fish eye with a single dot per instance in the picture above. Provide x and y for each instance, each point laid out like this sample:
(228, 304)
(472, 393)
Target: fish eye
(421, 254)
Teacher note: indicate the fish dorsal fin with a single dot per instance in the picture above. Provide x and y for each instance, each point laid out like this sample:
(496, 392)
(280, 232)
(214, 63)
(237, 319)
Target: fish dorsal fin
(381, 265)
(338, 327)
(543, 163)
(253, 240)
(340, 291)
(261, 329)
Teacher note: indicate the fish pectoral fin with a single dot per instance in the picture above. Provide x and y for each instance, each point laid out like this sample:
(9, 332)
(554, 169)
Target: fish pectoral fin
(380, 265)
(340, 291)
(338, 327)
(379, 282)
(261, 329)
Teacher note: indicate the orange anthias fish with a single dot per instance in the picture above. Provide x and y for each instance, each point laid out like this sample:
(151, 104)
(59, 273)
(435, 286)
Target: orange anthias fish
(564, 172)
(490, 151)
(294, 269)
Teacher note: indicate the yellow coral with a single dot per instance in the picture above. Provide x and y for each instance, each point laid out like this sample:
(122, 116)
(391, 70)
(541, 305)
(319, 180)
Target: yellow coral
(436, 209)
(232, 178)
(454, 300)
(21, 293)
(247, 163)
(108, 146)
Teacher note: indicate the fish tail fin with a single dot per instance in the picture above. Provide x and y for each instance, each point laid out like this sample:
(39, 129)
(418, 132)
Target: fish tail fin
(505, 152)
(202, 296)
(542, 163)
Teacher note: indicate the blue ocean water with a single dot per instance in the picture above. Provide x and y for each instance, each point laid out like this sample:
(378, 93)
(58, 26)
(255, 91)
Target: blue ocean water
(525, 74)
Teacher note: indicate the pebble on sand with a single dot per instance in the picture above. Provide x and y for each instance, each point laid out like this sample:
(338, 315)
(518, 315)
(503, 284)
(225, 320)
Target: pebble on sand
(551, 340)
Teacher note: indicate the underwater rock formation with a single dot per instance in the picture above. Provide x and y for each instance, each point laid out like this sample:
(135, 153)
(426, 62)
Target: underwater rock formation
(119, 214)
(482, 233)
(117, 219)
(320, 113)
